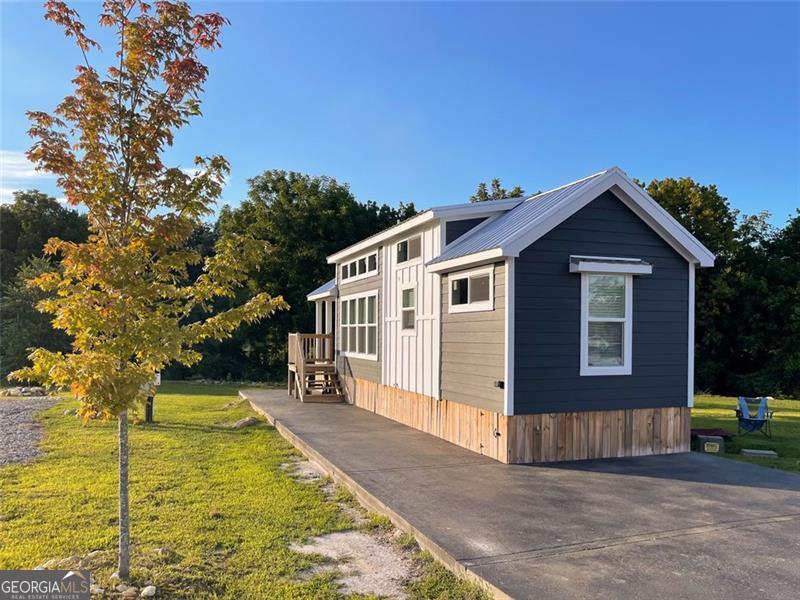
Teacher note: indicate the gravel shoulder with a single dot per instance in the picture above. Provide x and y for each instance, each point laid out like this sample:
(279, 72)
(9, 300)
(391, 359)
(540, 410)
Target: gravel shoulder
(19, 431)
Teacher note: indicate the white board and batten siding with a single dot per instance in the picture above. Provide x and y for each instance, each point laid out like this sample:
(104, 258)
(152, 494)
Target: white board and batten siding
(411, 359)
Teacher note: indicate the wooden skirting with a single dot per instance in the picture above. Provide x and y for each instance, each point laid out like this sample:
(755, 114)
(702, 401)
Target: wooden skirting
(597, 434)
(473, 428)
(530, 438)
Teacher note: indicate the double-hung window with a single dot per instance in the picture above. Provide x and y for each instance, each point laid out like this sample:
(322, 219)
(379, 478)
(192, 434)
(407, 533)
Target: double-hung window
(606, 323)
(409, 310)
(359, 325)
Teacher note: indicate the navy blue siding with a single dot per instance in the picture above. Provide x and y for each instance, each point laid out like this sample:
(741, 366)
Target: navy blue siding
(547, 315)
(455, 229)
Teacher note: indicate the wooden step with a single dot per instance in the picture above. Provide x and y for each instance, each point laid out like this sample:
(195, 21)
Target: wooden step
(320, 398)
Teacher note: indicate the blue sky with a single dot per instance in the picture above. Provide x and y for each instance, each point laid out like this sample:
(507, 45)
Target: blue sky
(420, 102)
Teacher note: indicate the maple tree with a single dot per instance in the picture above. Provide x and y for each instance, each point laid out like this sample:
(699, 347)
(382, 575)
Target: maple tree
(124, 296)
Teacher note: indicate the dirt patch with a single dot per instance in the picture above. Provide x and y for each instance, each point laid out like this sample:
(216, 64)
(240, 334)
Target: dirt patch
(366, 559)
(303, 470)
(365, 564)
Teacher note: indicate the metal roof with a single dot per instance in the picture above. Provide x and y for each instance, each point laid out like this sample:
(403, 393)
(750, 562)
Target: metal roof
(324, 291)
(501, 230)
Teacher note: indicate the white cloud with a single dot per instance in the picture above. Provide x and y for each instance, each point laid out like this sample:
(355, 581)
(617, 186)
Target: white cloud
(18, 173)
(15, 166)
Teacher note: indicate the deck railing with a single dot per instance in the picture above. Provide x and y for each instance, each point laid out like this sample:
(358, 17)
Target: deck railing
(304, 349)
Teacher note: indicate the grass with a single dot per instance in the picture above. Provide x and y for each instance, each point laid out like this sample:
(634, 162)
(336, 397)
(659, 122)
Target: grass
(718, 412)
(212, 513)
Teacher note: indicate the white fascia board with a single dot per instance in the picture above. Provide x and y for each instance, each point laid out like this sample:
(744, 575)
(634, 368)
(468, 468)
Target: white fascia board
(556, 215)
(636, 199)
(466, 261)
(452, 212)
(322, 296)
(598, 266)
(659, 215)
(384, 235)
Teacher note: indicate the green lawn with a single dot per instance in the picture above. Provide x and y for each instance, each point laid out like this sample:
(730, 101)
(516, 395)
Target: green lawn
(718, 411)
(212, 513)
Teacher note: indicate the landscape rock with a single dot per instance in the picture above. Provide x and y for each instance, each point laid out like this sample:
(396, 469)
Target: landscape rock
(25, 391)
(148, 591)
(246, 422)
(94, 553)
(70, 411)
(114, 576)
(96, 590)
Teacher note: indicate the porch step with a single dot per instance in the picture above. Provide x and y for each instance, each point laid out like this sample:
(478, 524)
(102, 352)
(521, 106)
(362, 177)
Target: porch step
(314, 396)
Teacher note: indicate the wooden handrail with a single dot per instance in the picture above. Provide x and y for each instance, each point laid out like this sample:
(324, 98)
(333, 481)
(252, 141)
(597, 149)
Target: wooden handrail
(308, 348)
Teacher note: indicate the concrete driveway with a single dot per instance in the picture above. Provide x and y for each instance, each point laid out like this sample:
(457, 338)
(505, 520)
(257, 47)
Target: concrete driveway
(678, 526)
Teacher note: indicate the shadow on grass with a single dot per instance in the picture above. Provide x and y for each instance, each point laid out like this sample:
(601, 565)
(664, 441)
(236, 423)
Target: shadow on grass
(169, 426)
(691, 467)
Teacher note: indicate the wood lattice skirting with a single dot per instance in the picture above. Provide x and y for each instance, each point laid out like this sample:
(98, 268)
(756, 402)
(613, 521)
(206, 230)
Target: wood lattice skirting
(530, 438)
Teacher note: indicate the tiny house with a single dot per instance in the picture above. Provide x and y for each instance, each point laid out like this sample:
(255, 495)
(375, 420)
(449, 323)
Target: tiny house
(554, 327)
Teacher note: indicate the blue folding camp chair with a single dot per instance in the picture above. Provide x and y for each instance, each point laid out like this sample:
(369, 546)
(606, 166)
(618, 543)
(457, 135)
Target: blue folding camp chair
(761, 422)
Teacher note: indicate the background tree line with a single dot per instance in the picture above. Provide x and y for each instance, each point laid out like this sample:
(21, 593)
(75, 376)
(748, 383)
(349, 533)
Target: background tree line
(748, 304)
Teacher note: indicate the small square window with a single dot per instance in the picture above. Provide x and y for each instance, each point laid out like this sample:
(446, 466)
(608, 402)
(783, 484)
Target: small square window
(362, 265)
(372, 260)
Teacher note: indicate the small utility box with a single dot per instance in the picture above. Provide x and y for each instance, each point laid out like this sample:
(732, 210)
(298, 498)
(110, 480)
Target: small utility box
(710, 444)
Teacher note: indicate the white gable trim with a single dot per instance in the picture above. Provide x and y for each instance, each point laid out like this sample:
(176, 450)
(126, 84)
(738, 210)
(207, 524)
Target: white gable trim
(636, 199)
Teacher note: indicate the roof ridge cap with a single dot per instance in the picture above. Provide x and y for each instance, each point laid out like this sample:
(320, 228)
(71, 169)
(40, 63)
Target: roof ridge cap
(561, 187)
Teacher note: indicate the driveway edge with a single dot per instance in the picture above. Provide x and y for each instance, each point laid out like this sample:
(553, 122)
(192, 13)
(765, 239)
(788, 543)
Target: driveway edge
(375, 505)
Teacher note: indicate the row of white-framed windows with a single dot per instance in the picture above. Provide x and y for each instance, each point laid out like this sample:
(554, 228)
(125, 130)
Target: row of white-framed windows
(359, 268)
(359, 325)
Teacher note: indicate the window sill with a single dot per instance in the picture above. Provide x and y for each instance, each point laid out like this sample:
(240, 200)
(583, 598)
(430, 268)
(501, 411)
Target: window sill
(359, 277)
(372, 357)
(475, 307)
(595, 371)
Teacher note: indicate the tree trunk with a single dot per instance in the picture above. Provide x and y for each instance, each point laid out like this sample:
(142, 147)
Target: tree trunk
(124, 529)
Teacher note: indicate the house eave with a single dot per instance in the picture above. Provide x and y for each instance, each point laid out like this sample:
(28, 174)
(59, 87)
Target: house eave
(469, 260)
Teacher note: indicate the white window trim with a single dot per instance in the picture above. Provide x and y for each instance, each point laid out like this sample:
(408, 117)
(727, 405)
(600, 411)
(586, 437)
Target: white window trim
(627, 358)
(474, 306)
(363, 275)
(404, 331)
(348, 353)
(410, 261)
